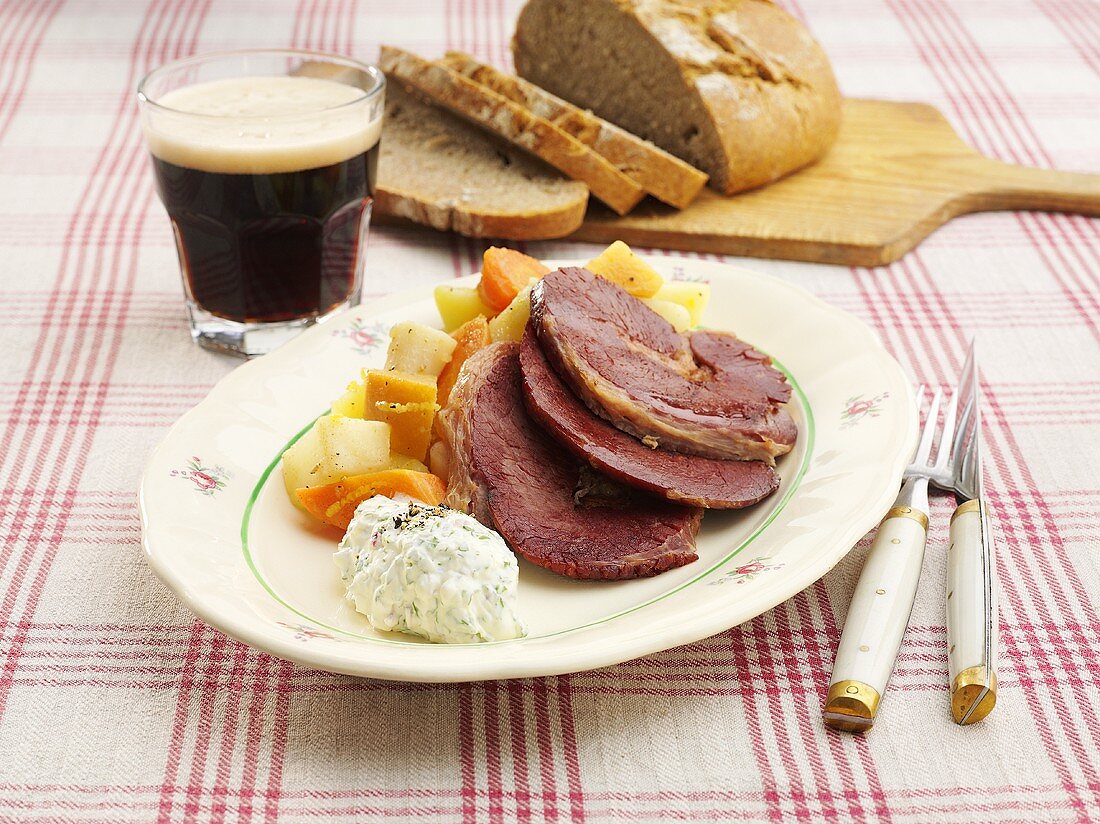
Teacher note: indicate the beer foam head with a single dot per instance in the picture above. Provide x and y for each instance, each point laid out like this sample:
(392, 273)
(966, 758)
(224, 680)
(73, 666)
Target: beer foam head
(262, 125)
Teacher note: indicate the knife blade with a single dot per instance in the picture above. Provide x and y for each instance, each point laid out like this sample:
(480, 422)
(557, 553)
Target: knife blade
(972, 621)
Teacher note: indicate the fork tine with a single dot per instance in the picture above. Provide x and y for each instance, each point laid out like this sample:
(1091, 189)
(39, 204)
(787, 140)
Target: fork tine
(924, 448)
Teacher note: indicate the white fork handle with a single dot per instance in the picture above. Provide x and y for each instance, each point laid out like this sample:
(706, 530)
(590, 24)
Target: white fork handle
(876, 622)
(971, 615)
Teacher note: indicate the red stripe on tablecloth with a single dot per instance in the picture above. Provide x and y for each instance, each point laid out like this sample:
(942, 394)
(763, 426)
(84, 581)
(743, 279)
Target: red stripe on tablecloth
(254, 729)
(209, 681)
(809, 716)
(1079, 23)
(492, 751)
(517, 715)
(770, 676)
(350, 38)
(169, 786)
(280, 737)
(17, 62)
(430, 793)
(824, 763)
(615, 808)
(569, 748)
(737, 640)
(467, 757)
(549, 790)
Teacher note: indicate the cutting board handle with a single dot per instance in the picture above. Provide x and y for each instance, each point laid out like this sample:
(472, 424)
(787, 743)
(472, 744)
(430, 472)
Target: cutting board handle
(1007, 186)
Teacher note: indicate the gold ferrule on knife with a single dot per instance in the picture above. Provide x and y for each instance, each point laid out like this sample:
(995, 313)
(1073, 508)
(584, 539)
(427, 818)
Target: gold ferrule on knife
(851, 706)
(972, 699)
(973, 505)
(908, 512)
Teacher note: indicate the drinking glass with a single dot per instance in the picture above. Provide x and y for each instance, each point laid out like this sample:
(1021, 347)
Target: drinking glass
(266, 163)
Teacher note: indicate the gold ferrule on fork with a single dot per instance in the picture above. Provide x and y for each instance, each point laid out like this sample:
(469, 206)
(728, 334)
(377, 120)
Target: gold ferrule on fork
(908, 512)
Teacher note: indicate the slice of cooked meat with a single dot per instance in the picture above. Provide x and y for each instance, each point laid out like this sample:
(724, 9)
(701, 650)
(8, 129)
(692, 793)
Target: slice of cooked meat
(454, 425)
(704, 393)
(542, 500)
(685, 479)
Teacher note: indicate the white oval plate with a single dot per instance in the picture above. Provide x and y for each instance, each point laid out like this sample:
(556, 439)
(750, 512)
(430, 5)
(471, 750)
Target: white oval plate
(218, 528)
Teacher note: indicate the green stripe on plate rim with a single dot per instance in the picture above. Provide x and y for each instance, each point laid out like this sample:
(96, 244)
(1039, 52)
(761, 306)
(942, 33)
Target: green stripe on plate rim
(810, 437)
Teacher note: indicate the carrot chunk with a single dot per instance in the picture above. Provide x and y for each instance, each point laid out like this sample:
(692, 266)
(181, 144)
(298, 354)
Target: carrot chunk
(335, 503)
(504, 272)
(471, 336)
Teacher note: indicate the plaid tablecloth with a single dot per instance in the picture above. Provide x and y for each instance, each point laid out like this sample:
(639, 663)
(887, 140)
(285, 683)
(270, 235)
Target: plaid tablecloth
(117, 705)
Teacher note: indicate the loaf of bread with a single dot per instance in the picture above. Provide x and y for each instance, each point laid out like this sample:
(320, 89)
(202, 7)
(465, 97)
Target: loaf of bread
(497, 114)
(438, 170)
(737, 88)
(662, 175)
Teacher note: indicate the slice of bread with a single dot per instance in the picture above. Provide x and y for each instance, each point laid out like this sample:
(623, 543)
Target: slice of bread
(438, 170)
(495, 113)
(738, 88)
(665, 177)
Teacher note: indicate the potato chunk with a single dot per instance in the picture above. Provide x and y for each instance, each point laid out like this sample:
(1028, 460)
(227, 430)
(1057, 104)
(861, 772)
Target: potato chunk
(674, 313)
(618, 264)
(459, 304)
(692, 296)
(334, 448)
(407, 402)
(418, 349)
(510, 323)
(352, 403)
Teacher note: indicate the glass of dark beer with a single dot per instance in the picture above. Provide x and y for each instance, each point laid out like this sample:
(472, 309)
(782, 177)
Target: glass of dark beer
(265, 161)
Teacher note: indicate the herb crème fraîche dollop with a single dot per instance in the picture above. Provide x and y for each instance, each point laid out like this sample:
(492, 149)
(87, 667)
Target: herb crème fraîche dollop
(429, 571)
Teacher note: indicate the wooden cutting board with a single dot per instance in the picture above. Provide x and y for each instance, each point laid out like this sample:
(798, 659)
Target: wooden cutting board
(898, 171)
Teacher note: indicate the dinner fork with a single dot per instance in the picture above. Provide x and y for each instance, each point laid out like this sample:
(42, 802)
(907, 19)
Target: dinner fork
(887, 587)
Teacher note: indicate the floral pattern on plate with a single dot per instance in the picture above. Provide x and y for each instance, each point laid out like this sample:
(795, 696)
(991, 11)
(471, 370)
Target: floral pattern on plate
(207, 480)
(364, 337)
(858, 407)
(747, 571)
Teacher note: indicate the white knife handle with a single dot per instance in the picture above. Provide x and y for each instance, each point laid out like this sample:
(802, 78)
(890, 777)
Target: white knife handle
(876, 621)
(971, 615)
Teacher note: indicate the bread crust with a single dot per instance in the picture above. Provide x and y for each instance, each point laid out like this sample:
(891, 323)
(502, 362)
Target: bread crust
(666, 177)
(495, 113)
(439, 171)
(767, 97)
(453, 217)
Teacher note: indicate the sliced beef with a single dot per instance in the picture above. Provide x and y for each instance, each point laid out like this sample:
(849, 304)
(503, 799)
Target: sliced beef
(686, 479)
(550, 507)
(703, 393)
